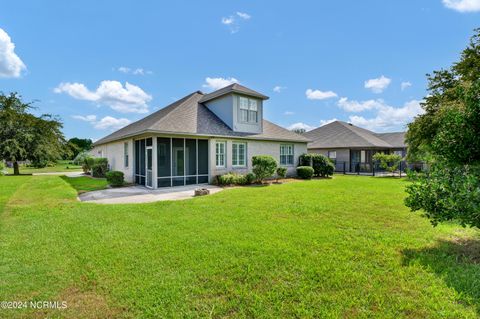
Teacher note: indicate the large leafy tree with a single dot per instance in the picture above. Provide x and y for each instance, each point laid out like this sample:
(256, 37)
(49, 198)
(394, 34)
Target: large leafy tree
(24, 136)
(448, 134)
(77, 145)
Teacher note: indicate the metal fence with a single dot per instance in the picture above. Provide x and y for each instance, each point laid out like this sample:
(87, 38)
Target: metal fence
(374, 168)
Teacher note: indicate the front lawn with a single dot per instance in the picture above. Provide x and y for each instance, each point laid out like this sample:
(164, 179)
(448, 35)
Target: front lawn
(86, 183)
(60, 166)
(341, 247)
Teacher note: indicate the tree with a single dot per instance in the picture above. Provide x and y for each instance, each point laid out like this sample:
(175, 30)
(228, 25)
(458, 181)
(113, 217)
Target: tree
(24, 136)
(299, 130)
(448, 134)
(77, 145)
(388, 162)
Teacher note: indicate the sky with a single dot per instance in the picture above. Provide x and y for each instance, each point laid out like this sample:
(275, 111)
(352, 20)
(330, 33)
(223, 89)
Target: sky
(100, 65)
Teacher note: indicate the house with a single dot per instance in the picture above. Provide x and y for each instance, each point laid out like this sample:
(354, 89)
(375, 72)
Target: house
(198, 137)
(352, 147)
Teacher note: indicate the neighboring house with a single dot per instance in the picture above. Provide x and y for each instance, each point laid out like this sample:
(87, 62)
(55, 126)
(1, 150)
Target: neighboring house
(198, 137)
(352, 147)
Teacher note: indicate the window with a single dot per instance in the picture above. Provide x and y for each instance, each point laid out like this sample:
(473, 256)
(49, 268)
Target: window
(332, 154)
(286, 154)
(248, 110)
(239, 154)
(125, 154)
(220, 154)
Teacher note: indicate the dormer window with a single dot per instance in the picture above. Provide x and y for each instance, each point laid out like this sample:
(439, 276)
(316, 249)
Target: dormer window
(248, 110)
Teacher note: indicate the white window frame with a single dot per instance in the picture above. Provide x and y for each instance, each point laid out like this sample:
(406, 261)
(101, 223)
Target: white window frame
(125, 155)
(250, 108)
(334, 153)
(236, 157)
(288, 153)
(219, 155)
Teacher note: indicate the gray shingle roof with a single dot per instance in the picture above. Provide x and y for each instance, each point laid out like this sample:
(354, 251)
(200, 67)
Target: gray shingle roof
(232, 88)
(340, 134)
(396, 139)
(188, 116)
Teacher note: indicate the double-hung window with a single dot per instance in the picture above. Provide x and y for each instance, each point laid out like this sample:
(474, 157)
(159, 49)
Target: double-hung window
(332, 155)
(248, 110)
(239, 154)
(125, 154)
(220, 148)
(286, 154)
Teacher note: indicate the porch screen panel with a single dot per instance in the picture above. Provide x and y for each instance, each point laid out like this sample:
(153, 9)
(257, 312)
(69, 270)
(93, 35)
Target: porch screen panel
(163, 162)
(137, 162)
(191, 161)
(178, 161)
(202, 161)
(142, 162)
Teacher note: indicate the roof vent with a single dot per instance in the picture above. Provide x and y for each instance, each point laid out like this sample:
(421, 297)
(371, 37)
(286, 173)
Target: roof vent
(350, 124)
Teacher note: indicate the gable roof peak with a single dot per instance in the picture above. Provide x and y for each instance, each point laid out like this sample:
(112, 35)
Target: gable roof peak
(232, 88)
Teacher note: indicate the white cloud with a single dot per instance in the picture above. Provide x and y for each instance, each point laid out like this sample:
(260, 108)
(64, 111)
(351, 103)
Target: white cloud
(111, 123)
(356, 106)
(218, 83)
(300, 125)
(243, 15)
(378, 85)
(319, 95)
(405, 85)
(288, 113)
(279, 88)
(233, 23)
(462, 5)
(137, 71)
(11, 66)
(86, 118)
(325, 122)
(106, 123)
(389, 117)
(128, 99)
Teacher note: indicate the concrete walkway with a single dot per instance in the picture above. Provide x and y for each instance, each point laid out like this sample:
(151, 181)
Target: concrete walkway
(69, 174)
(140, 194)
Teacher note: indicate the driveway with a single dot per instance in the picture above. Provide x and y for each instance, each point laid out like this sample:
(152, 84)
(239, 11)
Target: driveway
(140, 194)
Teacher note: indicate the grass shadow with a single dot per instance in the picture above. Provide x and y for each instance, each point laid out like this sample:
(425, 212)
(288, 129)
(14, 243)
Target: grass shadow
(457, 262)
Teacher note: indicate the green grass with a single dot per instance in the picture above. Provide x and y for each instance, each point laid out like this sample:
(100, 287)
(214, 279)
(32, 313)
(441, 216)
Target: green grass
(60, 166)
(85, 183)
(341, 247)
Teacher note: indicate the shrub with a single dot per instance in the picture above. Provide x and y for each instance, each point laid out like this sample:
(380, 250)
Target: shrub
(322, 165)
(87, 164)
(234, 179)
(80, 158)
(264, 166)
(388, 162)
(99, 167)
(3, 171)
(281, 172)
(250, 178)
(305, 172)
(115, 178)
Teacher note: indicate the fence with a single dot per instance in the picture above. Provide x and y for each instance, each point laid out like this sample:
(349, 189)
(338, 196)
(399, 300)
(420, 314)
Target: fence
(374, 168)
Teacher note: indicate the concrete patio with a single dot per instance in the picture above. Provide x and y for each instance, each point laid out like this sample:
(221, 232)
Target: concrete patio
(140, 194)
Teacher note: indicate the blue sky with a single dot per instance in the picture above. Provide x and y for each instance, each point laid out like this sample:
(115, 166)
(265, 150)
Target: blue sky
(358, 61)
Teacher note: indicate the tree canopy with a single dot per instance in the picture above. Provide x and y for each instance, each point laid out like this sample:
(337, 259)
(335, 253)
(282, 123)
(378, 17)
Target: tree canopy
(24, 136)
(448, 135)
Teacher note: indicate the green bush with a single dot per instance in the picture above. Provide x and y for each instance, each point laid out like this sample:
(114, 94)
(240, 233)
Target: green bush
(115, 178)
(234, 179)
(250, 178)
(3, 171)
(305, 172)
(264, 166)
(80, 158)
(87, 164)
(281, 172)
(99, 167)
(322, 165)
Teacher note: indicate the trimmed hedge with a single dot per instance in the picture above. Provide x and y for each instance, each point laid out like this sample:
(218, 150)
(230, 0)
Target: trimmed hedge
(235, 179)
(322, 165)
(264, 166)
(115, 178)
(281, 172)
(305, 172)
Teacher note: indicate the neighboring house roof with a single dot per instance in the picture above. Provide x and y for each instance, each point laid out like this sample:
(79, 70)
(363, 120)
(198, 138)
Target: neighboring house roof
(396, 139)
(188, 116)
(340, 134)
(232, 88)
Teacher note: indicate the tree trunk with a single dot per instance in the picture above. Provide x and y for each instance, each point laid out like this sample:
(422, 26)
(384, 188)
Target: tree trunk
(16, 170)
